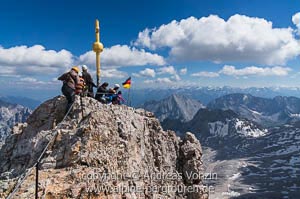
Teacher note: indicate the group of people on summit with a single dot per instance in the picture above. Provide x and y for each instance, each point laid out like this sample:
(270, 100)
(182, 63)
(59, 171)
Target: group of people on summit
(81, 83)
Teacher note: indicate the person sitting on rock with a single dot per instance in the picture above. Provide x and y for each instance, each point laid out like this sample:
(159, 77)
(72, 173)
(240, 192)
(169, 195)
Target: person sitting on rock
(112, 94)
(120, 100)
(70, 79)
(101, 93)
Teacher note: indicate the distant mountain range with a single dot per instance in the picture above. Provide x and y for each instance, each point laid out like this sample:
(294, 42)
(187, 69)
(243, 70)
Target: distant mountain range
(10, 114)
(206, 94)
(24, 101)
(175, 106)
(264, 111)
(218, 128)
(256, 161)
(182, 114)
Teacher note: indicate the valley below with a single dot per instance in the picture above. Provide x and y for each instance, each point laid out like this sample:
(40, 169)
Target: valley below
(249, 158)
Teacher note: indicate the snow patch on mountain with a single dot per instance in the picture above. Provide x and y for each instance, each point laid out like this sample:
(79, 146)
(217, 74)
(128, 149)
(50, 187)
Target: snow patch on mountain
(242, 127)
(255, 112)
(295, 115)
(219, 128)
(249, 131)
(266, 112)
(235, 176)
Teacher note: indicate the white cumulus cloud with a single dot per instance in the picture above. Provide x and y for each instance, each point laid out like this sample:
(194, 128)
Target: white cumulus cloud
(113, 73)
(148, 72)
(36, 55)
(170, 70)
(28, 79)
(246, 71)
(123, 55)
(164, 80)
(20, 60)
(28, 62)
(258, 71)
(240, 38)
(176, 77)
(206, 74)
(167, 70)
(183, 71)
(296, 19)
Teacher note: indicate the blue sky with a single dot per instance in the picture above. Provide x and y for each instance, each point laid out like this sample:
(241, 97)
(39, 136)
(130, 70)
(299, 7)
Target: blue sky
(238, 43)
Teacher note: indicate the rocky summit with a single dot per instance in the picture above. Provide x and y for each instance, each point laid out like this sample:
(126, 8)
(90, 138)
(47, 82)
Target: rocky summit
(99, 151)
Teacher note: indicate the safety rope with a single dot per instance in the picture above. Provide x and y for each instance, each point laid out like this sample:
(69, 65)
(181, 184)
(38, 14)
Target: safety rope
(21, 180)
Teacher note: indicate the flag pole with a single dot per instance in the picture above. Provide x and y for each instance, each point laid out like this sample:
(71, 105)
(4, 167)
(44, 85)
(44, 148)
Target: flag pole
(128, 100)
(129, 97)
(127, 85)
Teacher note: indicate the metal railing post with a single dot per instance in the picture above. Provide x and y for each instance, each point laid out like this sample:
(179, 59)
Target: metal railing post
(37, 180)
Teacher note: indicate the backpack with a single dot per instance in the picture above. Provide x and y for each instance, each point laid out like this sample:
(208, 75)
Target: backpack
(80, 86)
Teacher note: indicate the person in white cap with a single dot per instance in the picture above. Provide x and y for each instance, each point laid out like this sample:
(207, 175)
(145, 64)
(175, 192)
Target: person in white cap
(89, 81)
(116, 86)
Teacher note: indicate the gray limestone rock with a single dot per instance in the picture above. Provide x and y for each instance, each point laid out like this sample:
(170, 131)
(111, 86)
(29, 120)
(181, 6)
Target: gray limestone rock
(107, 147)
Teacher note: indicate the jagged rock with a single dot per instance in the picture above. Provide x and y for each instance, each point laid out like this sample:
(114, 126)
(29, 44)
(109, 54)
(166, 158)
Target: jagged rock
(10, 115)
(191, 157)
(18, 128)
(105, 147)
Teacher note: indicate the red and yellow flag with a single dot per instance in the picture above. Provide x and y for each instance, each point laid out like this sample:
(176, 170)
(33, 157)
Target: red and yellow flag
(127, 83)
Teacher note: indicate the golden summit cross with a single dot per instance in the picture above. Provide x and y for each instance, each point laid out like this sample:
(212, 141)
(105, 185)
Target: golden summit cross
(97, 48)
